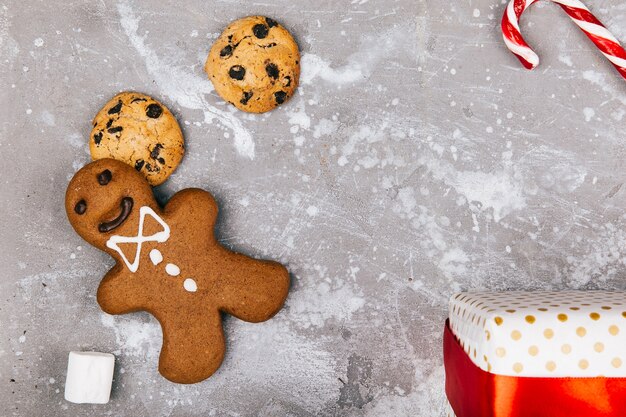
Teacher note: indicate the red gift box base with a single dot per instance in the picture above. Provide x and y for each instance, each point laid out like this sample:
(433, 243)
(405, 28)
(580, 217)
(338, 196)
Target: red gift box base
(473, 392)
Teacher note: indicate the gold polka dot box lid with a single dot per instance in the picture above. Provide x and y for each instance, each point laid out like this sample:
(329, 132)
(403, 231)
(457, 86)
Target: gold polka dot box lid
(543, 334)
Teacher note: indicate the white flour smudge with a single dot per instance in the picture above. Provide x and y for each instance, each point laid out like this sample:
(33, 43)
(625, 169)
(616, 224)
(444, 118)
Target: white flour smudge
(361, 64)
(426, 399)
(589, 113)
(314, 67)
(30, 283)
(500, 190)
(566, 59)
(548, 169)
(48, 118)
(601, 80)
(367, 134)
(325, 127)
(603, 258)
(435, 242)
(298, 119)
(9, 48)
(134, 337)
(311, 307)
(184, 87)
(453, 262)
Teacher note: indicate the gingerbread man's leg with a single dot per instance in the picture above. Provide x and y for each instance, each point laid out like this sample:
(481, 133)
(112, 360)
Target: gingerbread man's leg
(250, 289)
(193, 343)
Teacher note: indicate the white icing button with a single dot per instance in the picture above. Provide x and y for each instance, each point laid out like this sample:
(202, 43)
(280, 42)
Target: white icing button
(156, 257)
(172, 269)
(190, 285)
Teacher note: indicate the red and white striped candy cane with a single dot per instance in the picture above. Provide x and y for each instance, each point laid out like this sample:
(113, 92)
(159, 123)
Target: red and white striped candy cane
(577, 11)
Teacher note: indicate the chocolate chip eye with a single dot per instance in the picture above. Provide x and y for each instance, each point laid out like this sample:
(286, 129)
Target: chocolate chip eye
(260, 30)
(272, 70)
(153, 111)
(104, 177)
(237, 72)
(280, 97)
(271, 22)
(80, 207)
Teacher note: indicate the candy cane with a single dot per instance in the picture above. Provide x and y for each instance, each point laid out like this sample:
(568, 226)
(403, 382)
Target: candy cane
(577, 11)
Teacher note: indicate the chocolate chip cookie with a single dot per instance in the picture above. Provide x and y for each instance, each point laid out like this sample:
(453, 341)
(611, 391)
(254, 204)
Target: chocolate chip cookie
(138, 130)
(254, 64)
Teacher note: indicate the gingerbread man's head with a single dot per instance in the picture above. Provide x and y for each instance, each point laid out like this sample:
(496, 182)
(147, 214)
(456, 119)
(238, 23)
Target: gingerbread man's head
(104, 198)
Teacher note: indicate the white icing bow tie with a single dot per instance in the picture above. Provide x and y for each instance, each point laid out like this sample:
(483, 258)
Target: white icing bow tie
(162, 236)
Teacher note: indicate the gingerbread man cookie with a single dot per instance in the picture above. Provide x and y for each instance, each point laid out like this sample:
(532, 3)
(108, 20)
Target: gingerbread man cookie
(169, 264)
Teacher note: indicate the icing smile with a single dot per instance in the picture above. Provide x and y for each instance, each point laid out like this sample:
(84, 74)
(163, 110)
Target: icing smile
(126, 206)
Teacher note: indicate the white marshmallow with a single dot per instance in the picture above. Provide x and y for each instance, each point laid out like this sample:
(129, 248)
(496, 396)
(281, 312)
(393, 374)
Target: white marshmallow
(89, 377)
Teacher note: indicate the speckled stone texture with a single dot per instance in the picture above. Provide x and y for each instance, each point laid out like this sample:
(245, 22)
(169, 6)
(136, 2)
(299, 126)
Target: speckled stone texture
(416, 159)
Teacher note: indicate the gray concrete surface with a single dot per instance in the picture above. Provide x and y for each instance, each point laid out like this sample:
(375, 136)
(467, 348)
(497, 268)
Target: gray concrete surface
(417, 159)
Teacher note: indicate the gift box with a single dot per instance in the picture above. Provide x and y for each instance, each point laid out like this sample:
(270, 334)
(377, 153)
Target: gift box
(536, 354)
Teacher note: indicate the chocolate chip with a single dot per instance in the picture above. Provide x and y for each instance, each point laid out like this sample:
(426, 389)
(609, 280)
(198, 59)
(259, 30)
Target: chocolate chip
(260, 30)
(287, 81)
(237, 72)
(154, 154)
(153, 111)
(247, 95)
(104, 177)
(271, 22)
(269, 45)
(138, 99)
(97, 138)
(116, 109)
(272, 70)
(139, 164)
(280, 97)
(161, 161)
(109, 123)
(80, 207)
(152, 168)
(115, 129)
(226, 51)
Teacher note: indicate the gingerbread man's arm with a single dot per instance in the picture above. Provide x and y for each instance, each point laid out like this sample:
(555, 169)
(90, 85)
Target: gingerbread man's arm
(121, 291)
(250, 289)
(194, 209)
